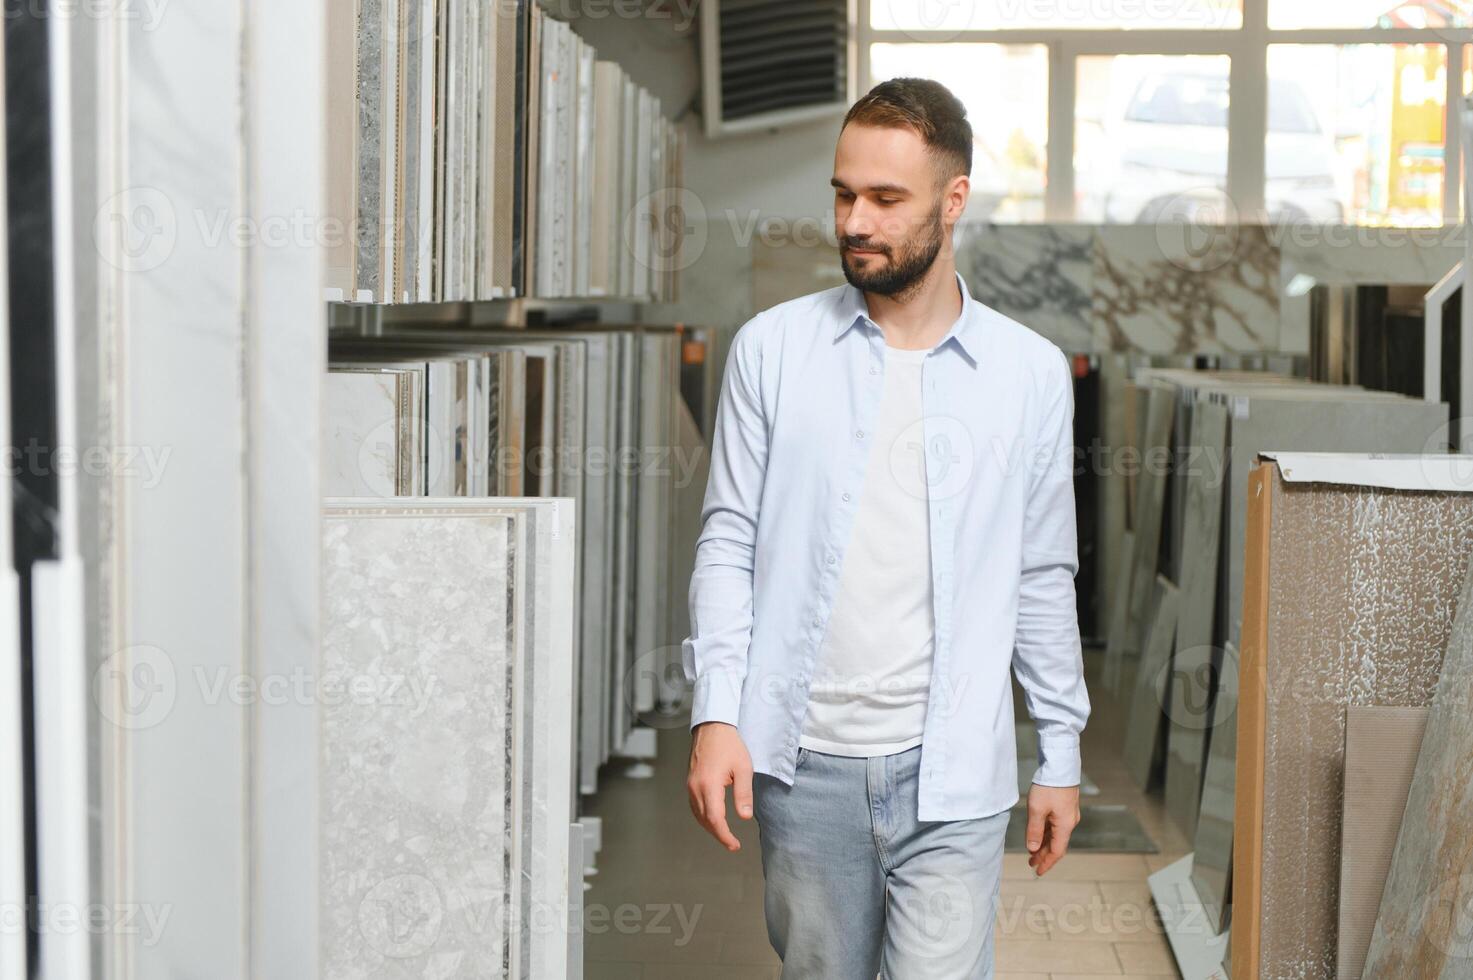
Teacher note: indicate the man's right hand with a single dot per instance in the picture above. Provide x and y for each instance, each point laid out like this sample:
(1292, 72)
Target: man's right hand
(719, 759)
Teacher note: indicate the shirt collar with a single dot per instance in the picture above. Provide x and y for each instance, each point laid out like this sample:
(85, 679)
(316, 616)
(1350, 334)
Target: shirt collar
(963, 333)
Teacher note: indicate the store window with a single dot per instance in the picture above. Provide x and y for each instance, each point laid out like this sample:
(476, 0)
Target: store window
(1356, 133)
(1005, 90)
(993, 15)
(1151, 137)
(1291, 15)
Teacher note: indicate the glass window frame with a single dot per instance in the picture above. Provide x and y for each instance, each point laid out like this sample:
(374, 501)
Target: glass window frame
(1246, 46)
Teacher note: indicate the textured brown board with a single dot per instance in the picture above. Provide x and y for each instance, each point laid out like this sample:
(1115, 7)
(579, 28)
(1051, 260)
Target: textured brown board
(1361, 588)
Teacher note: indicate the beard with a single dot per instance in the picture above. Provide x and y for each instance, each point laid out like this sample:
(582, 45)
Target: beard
(907, 264)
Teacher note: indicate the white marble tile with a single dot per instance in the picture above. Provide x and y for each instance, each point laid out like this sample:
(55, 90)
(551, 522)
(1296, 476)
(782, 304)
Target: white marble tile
(1040, 275)
(1173, 289)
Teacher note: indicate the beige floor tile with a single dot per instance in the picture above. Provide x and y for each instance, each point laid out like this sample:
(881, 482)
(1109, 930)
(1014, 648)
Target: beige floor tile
(1093, 866)
(1024, 976)
(1120, 922)
(1028, 955)
(1117, 892)
(1146, 957)
(1114, 976)
(1158, 861)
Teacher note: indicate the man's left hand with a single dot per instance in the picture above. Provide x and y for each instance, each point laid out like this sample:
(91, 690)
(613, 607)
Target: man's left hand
(1053, 813)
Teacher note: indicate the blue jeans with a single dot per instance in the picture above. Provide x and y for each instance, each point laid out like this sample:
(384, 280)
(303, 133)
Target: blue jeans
(856, 885)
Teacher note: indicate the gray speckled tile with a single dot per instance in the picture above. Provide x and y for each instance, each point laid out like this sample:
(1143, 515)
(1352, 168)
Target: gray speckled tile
(416, 803)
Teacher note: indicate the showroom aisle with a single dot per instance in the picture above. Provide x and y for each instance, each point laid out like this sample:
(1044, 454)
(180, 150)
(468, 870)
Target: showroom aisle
(669, 904)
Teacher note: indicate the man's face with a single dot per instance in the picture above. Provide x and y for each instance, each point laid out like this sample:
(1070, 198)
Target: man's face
(890, 217)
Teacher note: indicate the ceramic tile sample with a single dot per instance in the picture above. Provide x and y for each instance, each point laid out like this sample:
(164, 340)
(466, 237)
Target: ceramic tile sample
(1145, 526)
(1202, 471)
(417, 794)
(1381, 746)
(1158, 290)
(1307, 420)
(1212, 857)
(1148, 703)
(370, 138)
(1193, 685)
(1358, 586)
(1040, 275)
(1422, 926)
(365, 435)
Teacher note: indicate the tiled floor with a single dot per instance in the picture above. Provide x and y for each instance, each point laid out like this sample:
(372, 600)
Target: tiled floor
(669, 903)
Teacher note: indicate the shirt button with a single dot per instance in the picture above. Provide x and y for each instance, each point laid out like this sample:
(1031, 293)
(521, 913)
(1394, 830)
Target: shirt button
(846, 496)
(874, 370)
(818, 622)
(832, 559)
(859, 433)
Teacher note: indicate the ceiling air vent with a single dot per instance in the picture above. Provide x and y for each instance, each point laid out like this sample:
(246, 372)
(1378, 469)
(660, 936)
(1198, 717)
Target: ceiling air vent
(769, 63)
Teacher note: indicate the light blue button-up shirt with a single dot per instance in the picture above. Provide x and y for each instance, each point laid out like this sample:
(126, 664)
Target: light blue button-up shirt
(800, 395)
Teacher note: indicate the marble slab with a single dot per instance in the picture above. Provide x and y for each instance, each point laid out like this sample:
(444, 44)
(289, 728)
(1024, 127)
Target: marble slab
(1203, 471)
(653, 645)
(621, 716)
(1175, 289)
(1150, 495)
(418, 805)
(1422, 928)
(1212, 860)
(1198, 955)
(1148, 704)
(1040, 275)
(371, 145)
(366, 437)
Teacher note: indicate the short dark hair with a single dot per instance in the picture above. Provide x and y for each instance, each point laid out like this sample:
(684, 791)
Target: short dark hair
(929, 109)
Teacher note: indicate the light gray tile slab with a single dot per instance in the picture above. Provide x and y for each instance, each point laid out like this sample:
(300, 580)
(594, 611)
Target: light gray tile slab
(1202, 476)
(1190, 699)
(1148, 702)
(417, 804)
(366, 440)
(1114, 647)
(1212, 862)
(1198, 953)
(1285, 421)
(620, 714)
(1150, 495)
(1422, 926)
(370, 138)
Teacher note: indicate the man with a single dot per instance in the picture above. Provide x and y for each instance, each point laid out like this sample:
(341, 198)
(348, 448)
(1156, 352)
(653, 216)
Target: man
(889, 524)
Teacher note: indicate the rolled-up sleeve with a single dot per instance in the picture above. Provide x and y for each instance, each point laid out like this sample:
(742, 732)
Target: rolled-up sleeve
(1047, 656)
(714, 656)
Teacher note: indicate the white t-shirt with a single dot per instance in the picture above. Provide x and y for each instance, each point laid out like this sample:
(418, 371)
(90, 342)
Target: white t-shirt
(870, 685)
